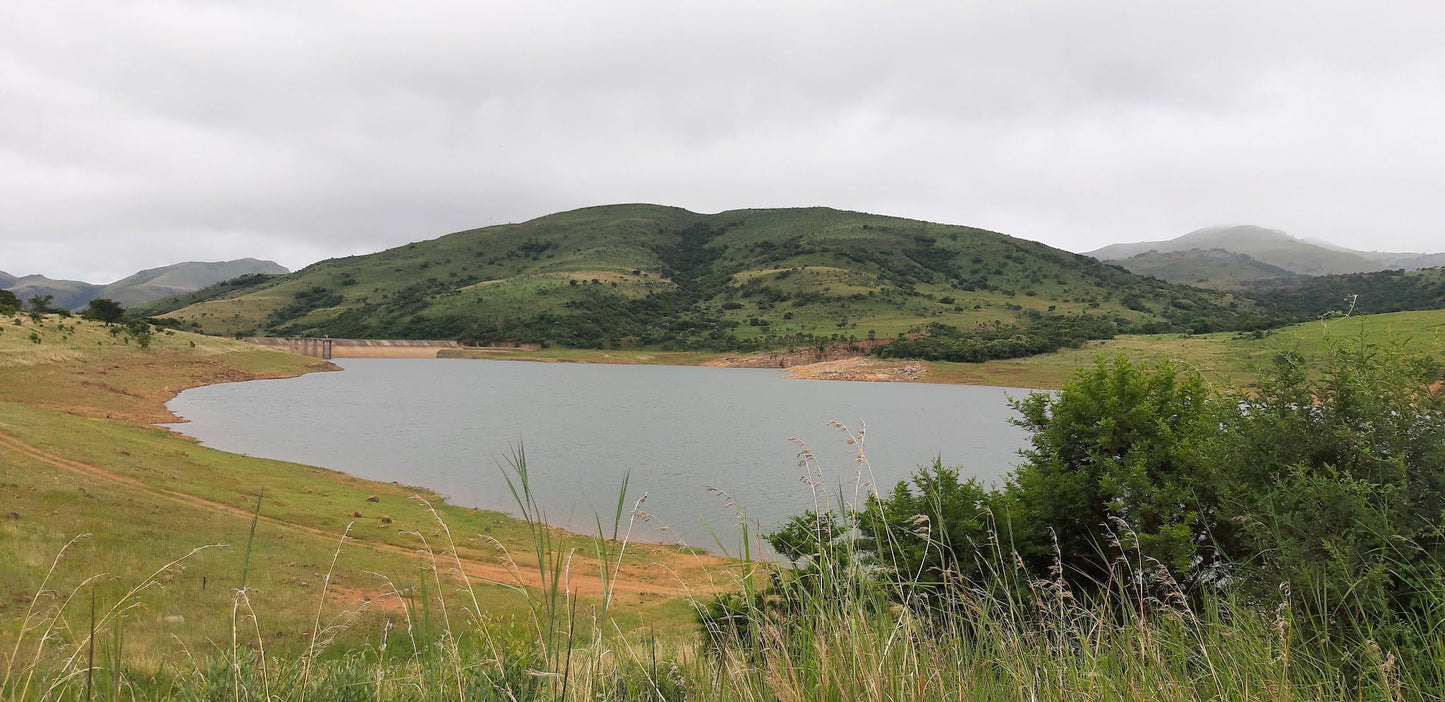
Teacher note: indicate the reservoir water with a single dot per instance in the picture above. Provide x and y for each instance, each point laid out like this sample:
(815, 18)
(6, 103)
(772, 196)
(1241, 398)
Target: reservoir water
(684, 434)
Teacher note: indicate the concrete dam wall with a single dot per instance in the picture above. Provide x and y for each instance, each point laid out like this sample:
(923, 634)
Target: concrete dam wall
(355, 348)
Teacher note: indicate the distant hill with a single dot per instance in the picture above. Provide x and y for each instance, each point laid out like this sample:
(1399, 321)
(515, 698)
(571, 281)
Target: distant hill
(166, 281)
(69, 294)
(654, 276)
(142, 287)
(1269, 246)
(1207, 268)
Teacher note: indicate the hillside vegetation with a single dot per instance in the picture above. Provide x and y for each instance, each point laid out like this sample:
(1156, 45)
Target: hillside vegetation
(651, 276)
(1360, 293)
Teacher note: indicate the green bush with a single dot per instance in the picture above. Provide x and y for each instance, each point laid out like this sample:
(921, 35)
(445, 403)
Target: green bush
(1120, 442)
(1326, 483)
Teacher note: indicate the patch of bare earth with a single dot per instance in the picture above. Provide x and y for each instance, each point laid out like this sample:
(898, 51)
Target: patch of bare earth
(862, 368)
(800, 357)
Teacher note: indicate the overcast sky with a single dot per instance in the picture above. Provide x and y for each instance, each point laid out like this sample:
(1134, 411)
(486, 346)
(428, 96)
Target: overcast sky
(138, 134)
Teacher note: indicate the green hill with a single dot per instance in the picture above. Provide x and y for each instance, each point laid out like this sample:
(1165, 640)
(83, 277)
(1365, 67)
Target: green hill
(646, 275)
(1206, 268)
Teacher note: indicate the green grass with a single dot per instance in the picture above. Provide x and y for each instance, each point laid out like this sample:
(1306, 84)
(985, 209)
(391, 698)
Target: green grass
(1224, 358)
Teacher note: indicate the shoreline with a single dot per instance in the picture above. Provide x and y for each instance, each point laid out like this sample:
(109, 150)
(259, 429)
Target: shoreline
(172, 428)
(1010, 373)
(83, 455)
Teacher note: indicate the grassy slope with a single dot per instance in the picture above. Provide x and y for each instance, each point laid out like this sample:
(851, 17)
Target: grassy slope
(1224, 358)
(796, 271)
(79, 457)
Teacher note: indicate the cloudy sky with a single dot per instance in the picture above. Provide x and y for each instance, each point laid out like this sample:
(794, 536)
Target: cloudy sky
(137, 134)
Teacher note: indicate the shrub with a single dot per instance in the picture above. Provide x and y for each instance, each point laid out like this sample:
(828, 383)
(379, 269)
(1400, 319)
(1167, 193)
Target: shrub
(1120, 441)
(1328, 482)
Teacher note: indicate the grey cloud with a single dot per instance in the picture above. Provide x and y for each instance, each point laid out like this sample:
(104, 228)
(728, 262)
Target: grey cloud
(138, 134)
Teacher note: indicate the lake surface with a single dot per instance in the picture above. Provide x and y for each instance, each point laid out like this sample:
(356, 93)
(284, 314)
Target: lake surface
(449, 425)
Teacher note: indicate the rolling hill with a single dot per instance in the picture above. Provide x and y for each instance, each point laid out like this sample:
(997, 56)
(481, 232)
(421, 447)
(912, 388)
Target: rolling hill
(142, 287)
(654, 276)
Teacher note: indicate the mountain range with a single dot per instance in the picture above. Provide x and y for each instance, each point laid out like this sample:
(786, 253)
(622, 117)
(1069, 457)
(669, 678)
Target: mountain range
(140, 288)
(1235, 256)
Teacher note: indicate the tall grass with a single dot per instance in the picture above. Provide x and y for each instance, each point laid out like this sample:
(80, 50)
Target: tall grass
(830, 629)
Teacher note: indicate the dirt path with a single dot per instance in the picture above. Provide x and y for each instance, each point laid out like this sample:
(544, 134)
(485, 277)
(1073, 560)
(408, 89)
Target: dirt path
(582, 579)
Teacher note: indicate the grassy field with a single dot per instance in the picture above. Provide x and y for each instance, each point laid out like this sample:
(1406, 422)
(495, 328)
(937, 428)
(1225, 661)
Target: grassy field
(1223, 358)
(79, 459)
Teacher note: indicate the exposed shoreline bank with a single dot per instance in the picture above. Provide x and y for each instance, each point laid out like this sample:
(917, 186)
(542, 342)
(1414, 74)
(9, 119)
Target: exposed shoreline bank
(857, 367)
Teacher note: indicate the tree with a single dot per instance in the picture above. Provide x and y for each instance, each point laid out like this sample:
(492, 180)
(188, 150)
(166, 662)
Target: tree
(9, 303)
(104, 310)
(1335, 481)
(1119, 449)
(928, 532)
(41, 304)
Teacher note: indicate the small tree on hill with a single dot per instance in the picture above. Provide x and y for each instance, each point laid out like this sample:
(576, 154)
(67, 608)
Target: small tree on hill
(104, 310)
(41, 304)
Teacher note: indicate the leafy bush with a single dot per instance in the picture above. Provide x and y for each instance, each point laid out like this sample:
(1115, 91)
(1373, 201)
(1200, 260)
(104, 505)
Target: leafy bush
(1328, 482)
(1119, 442)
